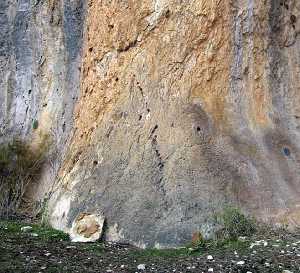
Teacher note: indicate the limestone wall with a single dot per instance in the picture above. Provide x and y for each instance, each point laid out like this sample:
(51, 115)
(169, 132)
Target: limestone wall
(184, 106)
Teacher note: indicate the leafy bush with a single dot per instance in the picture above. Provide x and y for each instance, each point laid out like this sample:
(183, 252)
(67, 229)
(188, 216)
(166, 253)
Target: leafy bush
(20, 165)
(235, 224)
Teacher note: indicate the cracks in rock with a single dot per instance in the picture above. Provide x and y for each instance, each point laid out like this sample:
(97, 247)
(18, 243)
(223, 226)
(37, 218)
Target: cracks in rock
(144, 33)
(283, 23)
(153, 131)
(155, 147)
(159, 184)
(142, 94)
(131, 44)
(110, 129)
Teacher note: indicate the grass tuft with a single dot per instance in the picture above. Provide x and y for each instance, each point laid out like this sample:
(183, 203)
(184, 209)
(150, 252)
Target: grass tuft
(44, 233)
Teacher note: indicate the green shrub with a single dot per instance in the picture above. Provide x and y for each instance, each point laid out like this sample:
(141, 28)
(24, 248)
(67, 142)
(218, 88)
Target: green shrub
(235, 224)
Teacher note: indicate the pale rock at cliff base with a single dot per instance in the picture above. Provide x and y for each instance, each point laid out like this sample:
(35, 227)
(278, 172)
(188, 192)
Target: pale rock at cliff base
(26, 228)
(87, 228)
(141, 267)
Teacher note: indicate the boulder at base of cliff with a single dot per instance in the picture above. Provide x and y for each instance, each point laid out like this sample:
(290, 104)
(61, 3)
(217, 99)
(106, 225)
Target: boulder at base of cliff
(87, 227)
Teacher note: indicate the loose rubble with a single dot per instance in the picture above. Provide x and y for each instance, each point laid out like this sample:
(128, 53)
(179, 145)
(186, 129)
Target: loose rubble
(22, 253)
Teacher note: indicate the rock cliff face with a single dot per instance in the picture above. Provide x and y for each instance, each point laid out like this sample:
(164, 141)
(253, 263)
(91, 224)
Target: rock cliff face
(184, 107)
(40, 57)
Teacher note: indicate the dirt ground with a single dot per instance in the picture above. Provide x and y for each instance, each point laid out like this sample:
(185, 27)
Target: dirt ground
(45, 250)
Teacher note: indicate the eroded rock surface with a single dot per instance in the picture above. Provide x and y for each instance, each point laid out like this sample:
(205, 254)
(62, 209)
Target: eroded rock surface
(40, 59)
(87, 228)
(184, 106)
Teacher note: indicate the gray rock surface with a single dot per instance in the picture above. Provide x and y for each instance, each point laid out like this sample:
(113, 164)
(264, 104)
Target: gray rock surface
(40, 58)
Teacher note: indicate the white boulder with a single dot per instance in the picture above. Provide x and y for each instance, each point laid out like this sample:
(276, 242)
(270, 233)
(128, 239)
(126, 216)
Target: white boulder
(87, 228)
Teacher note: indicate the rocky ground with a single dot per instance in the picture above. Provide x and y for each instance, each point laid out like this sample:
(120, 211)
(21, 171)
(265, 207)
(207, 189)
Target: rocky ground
(44, 250)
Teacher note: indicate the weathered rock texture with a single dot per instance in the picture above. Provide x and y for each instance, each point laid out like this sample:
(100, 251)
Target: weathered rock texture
(184, 106)
(40, 49)
(87, 228)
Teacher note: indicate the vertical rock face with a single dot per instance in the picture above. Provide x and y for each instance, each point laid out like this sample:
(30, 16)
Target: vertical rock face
(184, 106)
(40, 53)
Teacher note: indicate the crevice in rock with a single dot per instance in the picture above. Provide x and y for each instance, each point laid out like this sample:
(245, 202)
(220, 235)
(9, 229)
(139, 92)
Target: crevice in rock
(161, 163)
(153, 130)
(131, 44)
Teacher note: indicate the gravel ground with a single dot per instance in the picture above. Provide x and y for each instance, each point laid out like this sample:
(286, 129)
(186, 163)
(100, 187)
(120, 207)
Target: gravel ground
(45, 250)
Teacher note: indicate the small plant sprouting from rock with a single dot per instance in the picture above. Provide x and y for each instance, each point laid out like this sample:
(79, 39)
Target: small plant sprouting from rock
(20, 165)
(35, 124)
(235, 224)
(198, 241)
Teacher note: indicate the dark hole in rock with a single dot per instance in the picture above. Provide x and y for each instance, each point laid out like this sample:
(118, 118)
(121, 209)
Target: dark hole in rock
(293, 19)
(198, 129)
(29, 91)
(172, 125)
(161, 165)
(140, 117)
(64, 127)
(95, 162)
(148, 110)
(167, 14)
(286, 151)
(90, 49)
(45, 104)
(111, 26)
(117, 79)
(246, 70)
